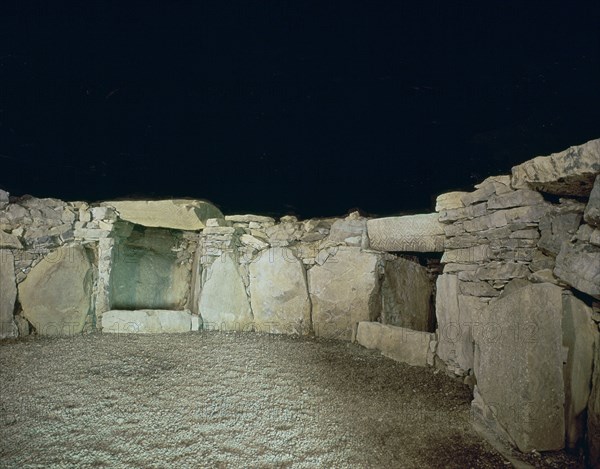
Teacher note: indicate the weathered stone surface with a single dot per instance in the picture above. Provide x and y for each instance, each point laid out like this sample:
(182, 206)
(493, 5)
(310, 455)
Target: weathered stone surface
(219, 230)
(579, 266)
(449, 200)
(344, 291)
(4, 198)
(501, 183)
(579, 335)
(483, 193)
(502, 270)
(8, 294)
(593, 424)
(514, 199)
(478, 253)
(558, 226)
(398, 343)
(407, 295)
(540, 261)
(452, 215)
(464, 241)
(592, 209)
(224, 304)
(56, 295)
(455, 341)
(147, 321)
(146, 273)
(9, 241)
(178, 214)
(477, 289)
(349, 231)
(519, 366)
(569, 172)
(279, 294)
(256, 243)
(249, 219)
(411, 233)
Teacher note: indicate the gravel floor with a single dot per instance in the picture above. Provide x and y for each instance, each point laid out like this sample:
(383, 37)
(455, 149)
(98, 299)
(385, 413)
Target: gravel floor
(215, 399)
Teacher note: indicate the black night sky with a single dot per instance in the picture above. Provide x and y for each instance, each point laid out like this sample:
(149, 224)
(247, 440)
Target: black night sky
(304, 107)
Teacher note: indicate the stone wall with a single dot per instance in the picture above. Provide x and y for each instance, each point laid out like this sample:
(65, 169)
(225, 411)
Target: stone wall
(512, 307)
(517, 303)
(239, 272)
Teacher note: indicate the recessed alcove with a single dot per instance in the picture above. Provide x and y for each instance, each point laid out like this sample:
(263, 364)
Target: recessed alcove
(145, 272)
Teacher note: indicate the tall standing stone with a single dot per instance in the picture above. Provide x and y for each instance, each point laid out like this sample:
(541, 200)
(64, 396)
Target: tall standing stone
(224, 304)
(56, 295)
(593, 424)
(592, 209)
(278, 293)
(8, 294)
(520, 368)
(455, 338)
(579, 335)
(344, 291)
(407, 293)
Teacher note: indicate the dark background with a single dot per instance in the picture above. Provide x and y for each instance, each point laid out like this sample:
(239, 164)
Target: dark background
(305, 107)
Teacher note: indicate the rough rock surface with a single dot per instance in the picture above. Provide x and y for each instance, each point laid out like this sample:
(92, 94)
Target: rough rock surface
(344, 291)
(569, 172)
(8, 294)
(455, 339)
(579, 266)
(593, 424)
(592, 209)
(449, 200)
(579, 336)
(519, 367)
(146, 321)
(411, 233)
(279, 294)
(407, 295)
(224, 304)
(398, 343)
(181, 214)
(9, 241)
(56, 295)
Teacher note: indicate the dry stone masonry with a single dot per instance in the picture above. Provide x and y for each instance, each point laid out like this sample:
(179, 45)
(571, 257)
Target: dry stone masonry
(500, 286)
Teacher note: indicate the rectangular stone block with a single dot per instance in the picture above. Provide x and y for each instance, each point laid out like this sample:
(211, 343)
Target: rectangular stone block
(411, 233)
(519, 367)
(146, 321)
(398, 343)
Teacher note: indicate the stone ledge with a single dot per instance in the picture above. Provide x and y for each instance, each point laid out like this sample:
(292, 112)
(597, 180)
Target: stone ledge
(398, 343)
(146, 321)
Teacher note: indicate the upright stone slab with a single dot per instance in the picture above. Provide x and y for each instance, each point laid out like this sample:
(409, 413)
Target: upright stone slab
(224, 304)
(579, 335)
(592, 209)
(344, 290)
(411, 233)
(56, 295)
(593, 423)
(407, 295)
(520, 368)
(146, 321)
(570, 172)
(455, 340)
(179, 214)
(278, 293)
(8, 294)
